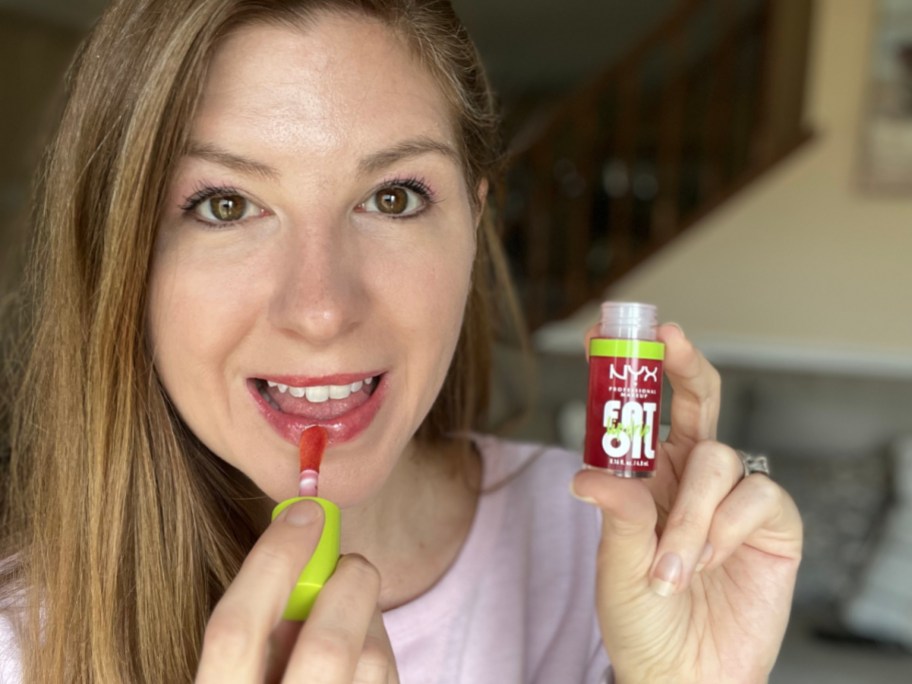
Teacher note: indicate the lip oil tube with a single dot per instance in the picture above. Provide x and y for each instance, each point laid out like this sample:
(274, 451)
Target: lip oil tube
(625, 391)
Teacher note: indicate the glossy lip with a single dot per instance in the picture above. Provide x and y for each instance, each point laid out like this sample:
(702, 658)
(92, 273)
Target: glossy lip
(341, 428)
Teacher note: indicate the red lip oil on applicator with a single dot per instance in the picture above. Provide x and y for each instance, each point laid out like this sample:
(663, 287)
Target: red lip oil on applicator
(625, 391)
(322, 563)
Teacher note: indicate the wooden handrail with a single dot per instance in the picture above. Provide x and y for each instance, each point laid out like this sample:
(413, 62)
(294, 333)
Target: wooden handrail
(632, 159)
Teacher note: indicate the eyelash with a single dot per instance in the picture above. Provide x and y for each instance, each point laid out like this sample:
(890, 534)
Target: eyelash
(209, 192)
(410, 183)
(416, 185)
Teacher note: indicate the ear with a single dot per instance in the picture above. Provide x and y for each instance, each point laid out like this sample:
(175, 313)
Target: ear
(481, 194)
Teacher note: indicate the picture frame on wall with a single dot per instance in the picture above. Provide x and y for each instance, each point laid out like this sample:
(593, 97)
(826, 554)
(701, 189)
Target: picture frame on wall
(885, 160)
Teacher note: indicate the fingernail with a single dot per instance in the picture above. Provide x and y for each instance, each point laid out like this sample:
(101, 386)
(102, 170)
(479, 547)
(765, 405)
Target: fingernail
(704, 557)
(666, 574)
(584, 499)
(676, 325)
(301, 514)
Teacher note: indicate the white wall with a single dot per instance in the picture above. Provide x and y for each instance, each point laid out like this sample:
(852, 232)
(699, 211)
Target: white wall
(804, 267)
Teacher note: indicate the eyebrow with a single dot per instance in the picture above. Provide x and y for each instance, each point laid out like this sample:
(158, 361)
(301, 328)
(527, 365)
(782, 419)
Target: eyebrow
(369, 164)
(404, 150)
(248, 167)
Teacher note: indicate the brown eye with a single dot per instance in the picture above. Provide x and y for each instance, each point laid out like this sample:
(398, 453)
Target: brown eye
(392, 200)
(228, 208)
(398, 200)
(223, 208)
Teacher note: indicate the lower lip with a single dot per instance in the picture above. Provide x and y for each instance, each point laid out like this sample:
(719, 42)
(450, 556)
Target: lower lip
(340, 429)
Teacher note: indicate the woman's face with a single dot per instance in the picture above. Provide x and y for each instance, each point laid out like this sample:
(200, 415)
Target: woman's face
(315, 255)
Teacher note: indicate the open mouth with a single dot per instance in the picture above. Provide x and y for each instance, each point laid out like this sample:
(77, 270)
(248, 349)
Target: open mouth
(317, 402)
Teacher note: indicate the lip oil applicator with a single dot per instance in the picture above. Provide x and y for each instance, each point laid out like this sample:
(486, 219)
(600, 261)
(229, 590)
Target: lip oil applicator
(322, 563)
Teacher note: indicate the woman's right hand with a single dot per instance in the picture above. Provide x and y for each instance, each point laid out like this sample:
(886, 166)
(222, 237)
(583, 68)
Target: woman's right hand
(342, 641)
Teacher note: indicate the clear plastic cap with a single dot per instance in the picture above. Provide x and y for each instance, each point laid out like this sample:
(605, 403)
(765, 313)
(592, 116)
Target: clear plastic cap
(628, 321)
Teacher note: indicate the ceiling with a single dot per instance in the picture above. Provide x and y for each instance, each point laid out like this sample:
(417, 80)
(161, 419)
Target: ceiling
(529, 46)
(543, 45)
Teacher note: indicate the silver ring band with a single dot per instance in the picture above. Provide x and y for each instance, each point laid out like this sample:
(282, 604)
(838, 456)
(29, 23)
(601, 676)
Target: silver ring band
(754, 463)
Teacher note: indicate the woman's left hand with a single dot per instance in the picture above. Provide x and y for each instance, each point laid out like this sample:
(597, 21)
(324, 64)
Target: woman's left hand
(696, 566)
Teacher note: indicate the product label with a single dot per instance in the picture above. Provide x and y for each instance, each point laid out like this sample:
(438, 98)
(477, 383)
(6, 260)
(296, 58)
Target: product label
(625, 404)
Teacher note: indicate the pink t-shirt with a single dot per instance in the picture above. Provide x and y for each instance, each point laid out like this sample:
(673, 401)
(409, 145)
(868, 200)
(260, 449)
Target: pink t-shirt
(9, 654)
(518, 605)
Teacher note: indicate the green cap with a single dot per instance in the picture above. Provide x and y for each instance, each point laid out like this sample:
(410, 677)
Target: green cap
(322, 563)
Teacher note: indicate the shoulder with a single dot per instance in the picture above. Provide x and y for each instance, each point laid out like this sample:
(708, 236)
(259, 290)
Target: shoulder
(9, 651)
(504, 456)
(544, 559)
(12, 601)
(535, 481)
(526, 465)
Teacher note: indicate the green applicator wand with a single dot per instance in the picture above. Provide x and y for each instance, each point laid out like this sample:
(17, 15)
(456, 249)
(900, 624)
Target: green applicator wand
(325, 556)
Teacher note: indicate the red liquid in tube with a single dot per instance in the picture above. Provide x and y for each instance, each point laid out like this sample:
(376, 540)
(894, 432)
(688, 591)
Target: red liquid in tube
(624, 407)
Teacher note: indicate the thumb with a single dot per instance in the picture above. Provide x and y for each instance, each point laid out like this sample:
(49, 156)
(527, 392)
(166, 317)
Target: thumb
(628, 542)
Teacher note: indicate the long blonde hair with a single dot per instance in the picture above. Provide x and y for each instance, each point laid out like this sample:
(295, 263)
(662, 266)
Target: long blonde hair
(126, 529)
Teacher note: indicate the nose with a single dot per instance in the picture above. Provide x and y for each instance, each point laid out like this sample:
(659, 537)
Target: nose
(319, 294)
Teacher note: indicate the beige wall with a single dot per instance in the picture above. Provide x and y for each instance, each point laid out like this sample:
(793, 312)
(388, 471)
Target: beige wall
(804, 266)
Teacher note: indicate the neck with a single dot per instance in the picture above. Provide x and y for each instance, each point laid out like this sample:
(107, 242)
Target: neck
(414, 529)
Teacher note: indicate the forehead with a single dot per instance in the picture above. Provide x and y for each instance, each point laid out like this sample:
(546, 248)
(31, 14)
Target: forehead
(334, 84)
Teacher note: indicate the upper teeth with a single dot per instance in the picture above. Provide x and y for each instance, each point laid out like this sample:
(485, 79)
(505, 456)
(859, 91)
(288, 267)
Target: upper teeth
(320, 393)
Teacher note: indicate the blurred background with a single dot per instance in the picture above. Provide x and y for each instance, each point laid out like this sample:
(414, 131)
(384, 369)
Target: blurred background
(745, 165)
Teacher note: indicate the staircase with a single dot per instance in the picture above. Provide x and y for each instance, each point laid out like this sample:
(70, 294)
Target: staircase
(697, 110)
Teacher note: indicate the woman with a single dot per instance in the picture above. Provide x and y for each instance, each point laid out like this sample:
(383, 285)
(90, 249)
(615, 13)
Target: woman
(261, 216)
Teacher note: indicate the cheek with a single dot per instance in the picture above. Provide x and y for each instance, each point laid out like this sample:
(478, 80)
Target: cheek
(452, 282)
(196, 314)
(427, 287)
(451, 287)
